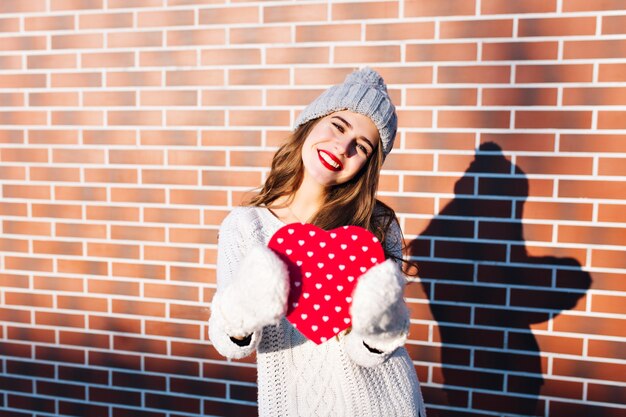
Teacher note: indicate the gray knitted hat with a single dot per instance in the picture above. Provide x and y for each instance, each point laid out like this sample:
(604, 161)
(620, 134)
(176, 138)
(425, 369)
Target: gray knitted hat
(364, 92)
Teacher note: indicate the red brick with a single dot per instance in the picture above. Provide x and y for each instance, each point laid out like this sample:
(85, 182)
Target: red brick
(559, 73)
(28, 299)
(589, 370)
(229, 15)
(82, 267)
(22, 80)
(230, 409)
(441, 97)
(57, 248)
(557, 26)
(193, 235)
(476, 74)
(81, 41)
(173, 403)
(180, 177)
(164, 137)
(425, 52)
(557, 211)
(168, 18)
(589, 325)
(140, 233)
(592, 143)
(15, 281)
(608, 258)
(112, 213)
(591, 189)
(81, 230)
(115, 360)
(105, 20)
(374, 53)
(112, 250)
(169, 329)
(194, 118)
(196, 37)
(114, 324)
(26, 191)
(416, 8)
(134, 39)
(300, 55)
(607, 349)
(115, 396)
(111, 175)
(109, 137)
(238, 56)
(259, 118)
(330, 32)
(594, 49)
(362, 11)
(31, 403)
(258, 76)
(612, 213)
(613, 25)
(57, 211)
(134, 78)
(229, 372)
(297, 13)
(506, 7)
(553, 119)
(447, 141)
(475, 119)
(178, 216)
(76, 4)
(264, 34)
(93, 340)
(189, 274)
(135, 270)
(23, 43)
(476, 29)
(22, 118)
(186, 312)
(136, 307)
(23, 7)
(58, 283)
(28, 263)
(167, 58)
(611, 120)
(517, 51)
(52, 61)
(83, 79)
(139, 344)
(169, 254)
(24, 155)
(584, 6)
(60, 320)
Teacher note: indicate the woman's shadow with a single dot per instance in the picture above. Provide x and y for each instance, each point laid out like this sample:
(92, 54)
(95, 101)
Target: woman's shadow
(485, 291)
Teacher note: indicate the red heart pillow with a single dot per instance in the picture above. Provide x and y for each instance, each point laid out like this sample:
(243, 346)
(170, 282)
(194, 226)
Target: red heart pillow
(323, 270)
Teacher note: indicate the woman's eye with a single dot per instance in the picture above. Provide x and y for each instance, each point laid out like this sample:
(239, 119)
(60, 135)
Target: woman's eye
(362, 148)
(339, 127)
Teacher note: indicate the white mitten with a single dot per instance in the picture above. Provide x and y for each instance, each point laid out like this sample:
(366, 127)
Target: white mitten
(380, 317)
(256, 297)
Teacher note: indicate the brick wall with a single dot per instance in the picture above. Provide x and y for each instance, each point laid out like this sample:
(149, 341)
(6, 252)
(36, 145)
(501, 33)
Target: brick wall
(131, 127)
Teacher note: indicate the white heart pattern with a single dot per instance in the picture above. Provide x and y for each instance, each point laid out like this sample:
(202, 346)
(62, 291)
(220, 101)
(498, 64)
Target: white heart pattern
(314, 258)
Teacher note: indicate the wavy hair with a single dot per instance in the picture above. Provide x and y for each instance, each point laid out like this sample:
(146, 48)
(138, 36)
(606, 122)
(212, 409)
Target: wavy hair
(351, 203)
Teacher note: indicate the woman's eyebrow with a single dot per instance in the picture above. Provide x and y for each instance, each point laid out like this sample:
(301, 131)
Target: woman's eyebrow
(350, 127)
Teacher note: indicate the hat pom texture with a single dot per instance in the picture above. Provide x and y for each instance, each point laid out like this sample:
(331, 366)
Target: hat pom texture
(364, 92)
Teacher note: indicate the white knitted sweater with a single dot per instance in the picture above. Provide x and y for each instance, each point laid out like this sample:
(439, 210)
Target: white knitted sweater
(296, 377)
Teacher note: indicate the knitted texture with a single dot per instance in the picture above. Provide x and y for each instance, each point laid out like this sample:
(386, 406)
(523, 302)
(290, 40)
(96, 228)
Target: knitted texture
(296, 377)
(364, 92)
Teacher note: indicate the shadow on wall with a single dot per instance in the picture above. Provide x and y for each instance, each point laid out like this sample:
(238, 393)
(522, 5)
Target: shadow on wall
(485, 299)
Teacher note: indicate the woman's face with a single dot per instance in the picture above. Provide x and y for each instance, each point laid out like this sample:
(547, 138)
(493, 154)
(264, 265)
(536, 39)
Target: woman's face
(338, 147)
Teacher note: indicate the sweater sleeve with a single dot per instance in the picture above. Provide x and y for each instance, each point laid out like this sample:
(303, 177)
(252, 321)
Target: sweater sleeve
(392, 328)
(234, 241)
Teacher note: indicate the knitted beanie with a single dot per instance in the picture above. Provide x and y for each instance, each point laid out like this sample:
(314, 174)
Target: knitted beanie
(364, 92)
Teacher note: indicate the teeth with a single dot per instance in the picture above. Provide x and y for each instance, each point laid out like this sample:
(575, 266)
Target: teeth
(329, 160)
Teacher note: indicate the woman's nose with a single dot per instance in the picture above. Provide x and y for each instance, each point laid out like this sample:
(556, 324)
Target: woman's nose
(342, 145)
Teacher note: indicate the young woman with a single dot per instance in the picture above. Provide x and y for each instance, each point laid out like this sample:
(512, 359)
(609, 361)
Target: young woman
(326, 174)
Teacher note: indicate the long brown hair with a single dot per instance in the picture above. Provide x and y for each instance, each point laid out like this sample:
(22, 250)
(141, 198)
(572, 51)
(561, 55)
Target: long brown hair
(351, 203)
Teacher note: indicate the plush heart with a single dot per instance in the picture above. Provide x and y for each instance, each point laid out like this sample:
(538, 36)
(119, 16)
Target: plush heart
(323, 270)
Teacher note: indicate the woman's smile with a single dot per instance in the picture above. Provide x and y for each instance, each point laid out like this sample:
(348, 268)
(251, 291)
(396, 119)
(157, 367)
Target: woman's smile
(329, 160)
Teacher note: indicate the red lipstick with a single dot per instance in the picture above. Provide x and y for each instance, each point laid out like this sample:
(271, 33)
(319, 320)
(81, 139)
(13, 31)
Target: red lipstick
(329, 160)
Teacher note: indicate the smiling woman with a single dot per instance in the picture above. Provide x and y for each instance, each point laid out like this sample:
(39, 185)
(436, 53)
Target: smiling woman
(326, 174)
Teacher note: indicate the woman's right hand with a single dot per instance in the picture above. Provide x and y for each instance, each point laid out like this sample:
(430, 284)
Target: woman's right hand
(257, 295)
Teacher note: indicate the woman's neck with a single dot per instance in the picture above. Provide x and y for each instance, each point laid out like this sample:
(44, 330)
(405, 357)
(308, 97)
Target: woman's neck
(303, 205)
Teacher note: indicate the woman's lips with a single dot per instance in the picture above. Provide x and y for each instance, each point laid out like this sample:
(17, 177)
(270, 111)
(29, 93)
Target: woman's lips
(329, 160)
